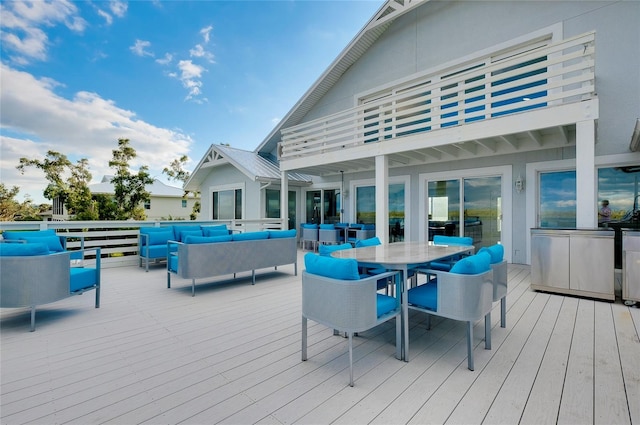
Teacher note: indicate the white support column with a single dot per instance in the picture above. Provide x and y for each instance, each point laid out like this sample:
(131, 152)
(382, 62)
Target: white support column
(586, 202)
(284, 200)
(382, 198)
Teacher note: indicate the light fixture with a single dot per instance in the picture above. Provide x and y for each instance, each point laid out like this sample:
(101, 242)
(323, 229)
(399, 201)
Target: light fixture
(635, 138)
(519, 183)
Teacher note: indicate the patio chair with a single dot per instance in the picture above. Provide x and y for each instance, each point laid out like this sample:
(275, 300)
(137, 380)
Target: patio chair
(464, 293)
(445, 265)
(329, 234)
(499, 267)
(309, 234)
(334, 295)
(55, 242)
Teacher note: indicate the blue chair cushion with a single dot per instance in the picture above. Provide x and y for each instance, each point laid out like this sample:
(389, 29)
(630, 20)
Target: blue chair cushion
(326, 250)
(82, 278)
(495, 251)
(309, 226)
(439, 265)
(154, 251)
(425, 296)
(277, 234)
(385, 304)
(192, 239)
(355, 226)
(160, 237)
(214, 232)
(368, 242)
(181, 232)
(335, 268)
(368, 227)
(474, 264)
(52, 242)
(327, 227)
(173, 263)
(452, 240)
(22, 249)
(250, 236)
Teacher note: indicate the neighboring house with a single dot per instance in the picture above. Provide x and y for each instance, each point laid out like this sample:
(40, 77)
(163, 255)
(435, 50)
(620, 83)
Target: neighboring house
(166, 202)
(467, 117)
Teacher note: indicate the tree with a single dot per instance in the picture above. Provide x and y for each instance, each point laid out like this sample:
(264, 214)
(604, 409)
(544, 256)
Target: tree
(11, 209)
(130, 189)
(67, 181)
(176, 172)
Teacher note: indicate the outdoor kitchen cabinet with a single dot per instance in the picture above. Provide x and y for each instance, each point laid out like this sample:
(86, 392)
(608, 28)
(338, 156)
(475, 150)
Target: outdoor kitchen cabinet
(631, 266)
(573, 261)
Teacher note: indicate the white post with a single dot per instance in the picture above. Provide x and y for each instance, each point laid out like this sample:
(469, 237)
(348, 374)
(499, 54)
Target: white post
(382, 198)
(284, 200)
(586, 202)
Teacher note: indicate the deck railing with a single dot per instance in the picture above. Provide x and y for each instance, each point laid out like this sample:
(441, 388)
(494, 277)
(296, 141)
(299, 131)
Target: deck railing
(118, 240)
(542, 77)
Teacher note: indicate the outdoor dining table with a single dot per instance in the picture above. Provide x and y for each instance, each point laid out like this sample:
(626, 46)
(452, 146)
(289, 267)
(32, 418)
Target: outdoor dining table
(402, 256)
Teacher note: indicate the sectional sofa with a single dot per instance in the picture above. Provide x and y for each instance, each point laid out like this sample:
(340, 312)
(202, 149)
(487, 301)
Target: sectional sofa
(197, 257)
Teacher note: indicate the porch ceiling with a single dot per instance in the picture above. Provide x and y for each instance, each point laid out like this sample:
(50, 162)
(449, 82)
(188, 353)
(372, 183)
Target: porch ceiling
(559, 136)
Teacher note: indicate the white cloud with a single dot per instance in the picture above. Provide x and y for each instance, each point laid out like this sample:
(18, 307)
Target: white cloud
(190, 74)
(21, 24)
(118, 8)
(86, 126)
(108, 18)
(168, 57)
(139, 48)
(205, 33)
(199, 52)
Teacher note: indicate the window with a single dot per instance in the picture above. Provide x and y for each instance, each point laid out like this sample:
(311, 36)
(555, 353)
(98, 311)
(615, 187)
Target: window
(621, 187)
(557, 203)
(272, 205)
(184, 203)
(227, 204)
(366, 208)
(147, 204)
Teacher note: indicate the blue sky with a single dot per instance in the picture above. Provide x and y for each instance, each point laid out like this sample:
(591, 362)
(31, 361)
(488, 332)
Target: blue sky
(172, 76)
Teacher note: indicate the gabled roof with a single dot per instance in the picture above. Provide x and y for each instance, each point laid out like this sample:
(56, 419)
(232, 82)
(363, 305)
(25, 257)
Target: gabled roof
(157, 188)
(254, 166)
(377, 25)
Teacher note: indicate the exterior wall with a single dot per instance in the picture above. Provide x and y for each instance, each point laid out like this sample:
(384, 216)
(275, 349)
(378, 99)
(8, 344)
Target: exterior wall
(226, 176)
(442, 34)
(169, 208)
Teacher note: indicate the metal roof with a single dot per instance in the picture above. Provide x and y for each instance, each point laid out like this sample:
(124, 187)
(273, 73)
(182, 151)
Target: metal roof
(157, 188)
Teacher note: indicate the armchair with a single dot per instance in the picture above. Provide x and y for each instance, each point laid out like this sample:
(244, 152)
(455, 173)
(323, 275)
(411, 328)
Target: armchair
(499, 267)
(445, 265)
(309, 233)
(55, 242)
(465, 293)
(329, 234)
(334, 295)
(31, 276)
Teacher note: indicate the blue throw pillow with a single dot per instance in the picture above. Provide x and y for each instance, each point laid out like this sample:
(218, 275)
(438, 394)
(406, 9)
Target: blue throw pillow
(309, 226)
(277, 234)
(183, 234)
(192, 239)
(22, 249)
(368, 227)
(452, 240)
(160, 238)
(52, 242)
(179, 231)
(326, 250)
(12, 235)
(327, 227)
(497, 253)
(474, 264)
(335, 268)
(368, 242)
(250, 236)
(214, 232)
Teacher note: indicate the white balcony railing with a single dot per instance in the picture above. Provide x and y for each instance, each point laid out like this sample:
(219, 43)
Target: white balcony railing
(543, 77)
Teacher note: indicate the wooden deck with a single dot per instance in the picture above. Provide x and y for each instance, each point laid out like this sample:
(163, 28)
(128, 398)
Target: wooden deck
(231, 354)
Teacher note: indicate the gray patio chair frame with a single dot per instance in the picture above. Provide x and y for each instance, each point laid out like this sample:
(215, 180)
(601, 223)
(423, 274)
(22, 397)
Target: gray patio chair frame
(309, 235)
(346, 306)
(500, 289)
(463, 297)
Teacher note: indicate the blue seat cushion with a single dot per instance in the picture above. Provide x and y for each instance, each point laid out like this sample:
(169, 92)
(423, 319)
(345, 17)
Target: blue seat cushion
(425, 296)
(182, 231)
(334, 268)
(474, 264)
(22, 249)
(250, 236)
(368, 242)
(452, 240)
(52, 242)
(326, 250)
(82, 278)
(155, 251)
(327, 227)
(277, 234)
(191, 239)
(495, 251)
(385, 304)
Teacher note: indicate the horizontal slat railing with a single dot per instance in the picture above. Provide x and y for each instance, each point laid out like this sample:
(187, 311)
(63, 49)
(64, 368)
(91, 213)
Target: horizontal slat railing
(553, 75)
(118, 240)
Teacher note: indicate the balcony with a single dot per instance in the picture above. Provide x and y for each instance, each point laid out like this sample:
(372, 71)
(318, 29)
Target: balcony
(457, 114)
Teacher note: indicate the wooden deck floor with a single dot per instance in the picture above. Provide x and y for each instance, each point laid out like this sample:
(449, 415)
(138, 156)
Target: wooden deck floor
(231, 355)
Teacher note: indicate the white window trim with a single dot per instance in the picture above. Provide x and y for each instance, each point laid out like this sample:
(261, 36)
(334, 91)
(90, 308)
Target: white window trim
(224, 187)
(505, 172)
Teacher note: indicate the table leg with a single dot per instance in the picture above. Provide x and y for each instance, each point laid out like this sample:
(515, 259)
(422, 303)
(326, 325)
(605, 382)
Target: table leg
(405, 314)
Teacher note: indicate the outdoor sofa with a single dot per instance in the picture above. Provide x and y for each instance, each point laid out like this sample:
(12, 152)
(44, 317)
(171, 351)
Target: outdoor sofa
(199, 257)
